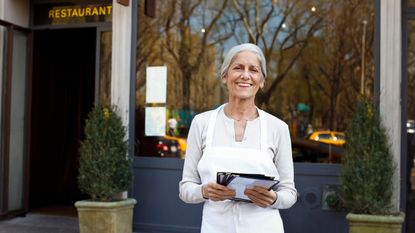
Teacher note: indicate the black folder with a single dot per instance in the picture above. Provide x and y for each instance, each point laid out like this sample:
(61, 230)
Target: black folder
(240, 181)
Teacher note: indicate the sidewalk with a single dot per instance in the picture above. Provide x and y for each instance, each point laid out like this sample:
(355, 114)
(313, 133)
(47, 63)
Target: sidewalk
(40, 223)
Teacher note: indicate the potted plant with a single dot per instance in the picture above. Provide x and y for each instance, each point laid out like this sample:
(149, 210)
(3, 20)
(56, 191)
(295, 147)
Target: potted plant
(367, 172)
(105, 171)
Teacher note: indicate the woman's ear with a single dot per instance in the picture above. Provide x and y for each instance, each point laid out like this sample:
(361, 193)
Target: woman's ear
(223, 79)
(262, 84)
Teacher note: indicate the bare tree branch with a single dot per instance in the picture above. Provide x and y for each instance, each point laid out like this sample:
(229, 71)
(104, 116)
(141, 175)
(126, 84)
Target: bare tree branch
(245, 20)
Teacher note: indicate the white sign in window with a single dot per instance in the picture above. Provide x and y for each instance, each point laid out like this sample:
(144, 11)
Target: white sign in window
(156, 84)
(155, 124)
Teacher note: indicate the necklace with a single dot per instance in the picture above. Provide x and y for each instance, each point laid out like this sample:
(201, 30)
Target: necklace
(242, 119)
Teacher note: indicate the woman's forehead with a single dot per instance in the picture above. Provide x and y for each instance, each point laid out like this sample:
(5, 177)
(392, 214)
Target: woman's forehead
(246, 57)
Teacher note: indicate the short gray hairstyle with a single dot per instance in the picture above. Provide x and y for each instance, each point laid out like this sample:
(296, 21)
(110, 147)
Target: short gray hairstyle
(240, 48)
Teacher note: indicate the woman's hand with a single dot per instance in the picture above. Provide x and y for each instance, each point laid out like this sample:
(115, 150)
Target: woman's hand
(261, 196)
(217, 192)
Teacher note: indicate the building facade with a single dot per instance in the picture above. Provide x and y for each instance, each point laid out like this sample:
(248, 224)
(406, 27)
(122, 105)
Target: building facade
(158, 60)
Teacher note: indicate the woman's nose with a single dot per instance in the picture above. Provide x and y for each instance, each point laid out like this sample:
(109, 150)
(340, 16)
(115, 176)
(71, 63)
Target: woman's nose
(245, 74)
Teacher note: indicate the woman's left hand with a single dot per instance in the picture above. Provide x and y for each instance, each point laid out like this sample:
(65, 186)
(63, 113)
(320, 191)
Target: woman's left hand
(261, 196)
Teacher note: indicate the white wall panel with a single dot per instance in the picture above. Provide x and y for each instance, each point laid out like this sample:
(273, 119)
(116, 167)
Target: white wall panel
(390, 82)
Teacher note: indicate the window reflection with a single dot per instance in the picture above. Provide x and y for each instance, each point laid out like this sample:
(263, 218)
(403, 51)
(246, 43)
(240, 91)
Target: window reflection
(3, 50)
(105, 67)
(319, 57)
(17, 121)
(3, 40)
(410, 124)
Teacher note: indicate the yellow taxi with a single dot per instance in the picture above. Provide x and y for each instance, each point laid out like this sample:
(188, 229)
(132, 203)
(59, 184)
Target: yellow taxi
(328, 137)
(181, 141)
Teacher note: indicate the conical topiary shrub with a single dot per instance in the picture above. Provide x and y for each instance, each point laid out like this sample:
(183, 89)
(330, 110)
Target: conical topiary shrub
(104, 167)
(368, 165)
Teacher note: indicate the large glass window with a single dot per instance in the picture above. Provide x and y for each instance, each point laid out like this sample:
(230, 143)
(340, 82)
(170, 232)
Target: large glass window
(319, 56)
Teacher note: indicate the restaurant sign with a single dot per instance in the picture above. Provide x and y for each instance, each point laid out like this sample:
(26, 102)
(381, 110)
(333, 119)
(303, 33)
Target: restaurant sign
(52, 14)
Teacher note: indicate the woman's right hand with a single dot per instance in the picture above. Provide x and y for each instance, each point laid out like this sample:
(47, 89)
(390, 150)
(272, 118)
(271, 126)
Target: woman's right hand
(217, 192)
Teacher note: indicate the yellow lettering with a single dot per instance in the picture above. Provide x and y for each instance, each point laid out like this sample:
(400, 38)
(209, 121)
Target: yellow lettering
(51, 14)
(57, 13)
(95, 11)
(102, 10)
(81, 12)
(75, 12)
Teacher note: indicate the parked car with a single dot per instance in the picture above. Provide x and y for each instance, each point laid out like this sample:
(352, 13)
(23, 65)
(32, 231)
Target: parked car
(328, 137)
(168, 147)
(305, 150)
(160, 147)
(181, 141)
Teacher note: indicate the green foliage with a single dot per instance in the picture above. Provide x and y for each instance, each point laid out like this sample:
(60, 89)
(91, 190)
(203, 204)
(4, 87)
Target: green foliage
(368, 165)
(104, 167)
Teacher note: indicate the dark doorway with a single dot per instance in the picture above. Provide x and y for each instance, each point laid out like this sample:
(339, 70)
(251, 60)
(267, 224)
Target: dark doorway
(62, 95)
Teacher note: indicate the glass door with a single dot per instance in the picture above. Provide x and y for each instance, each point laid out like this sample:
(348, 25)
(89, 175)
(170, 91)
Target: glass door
(18, 116)
(13, 117)
(3, 56)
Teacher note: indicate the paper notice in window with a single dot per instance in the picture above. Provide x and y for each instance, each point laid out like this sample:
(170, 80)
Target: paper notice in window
(156, 84)
(155, 122)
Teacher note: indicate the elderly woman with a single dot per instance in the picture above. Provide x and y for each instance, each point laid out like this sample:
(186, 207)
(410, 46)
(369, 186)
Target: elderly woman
(239, 137)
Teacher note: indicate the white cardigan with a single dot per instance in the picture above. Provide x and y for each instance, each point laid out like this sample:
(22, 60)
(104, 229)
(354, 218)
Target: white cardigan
(279, 147)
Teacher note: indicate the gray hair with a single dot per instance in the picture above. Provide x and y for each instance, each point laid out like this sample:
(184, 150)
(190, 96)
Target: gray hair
(240, 48)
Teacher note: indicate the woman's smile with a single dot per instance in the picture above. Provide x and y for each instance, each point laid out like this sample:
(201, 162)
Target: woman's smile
(244, 85)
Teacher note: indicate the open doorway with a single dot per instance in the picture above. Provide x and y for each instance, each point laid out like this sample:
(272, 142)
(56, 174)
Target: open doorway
(62, 94)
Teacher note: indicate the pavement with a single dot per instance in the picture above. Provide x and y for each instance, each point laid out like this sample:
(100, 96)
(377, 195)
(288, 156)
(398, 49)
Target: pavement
(40, 223)
(44, 223)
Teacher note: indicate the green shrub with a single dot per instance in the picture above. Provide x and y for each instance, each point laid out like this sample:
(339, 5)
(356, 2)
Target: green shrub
(368, 165)
(104, 167)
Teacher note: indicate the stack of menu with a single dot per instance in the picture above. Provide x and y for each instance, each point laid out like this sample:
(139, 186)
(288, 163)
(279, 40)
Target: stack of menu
(241, 181)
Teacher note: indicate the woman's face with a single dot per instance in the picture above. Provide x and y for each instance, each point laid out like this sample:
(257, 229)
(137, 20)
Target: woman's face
(244, 76)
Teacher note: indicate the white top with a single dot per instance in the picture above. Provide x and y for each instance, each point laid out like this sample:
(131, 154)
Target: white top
(172, 123)
(278, 143)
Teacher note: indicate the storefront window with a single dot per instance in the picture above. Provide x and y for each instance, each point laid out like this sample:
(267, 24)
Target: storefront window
(319, 55)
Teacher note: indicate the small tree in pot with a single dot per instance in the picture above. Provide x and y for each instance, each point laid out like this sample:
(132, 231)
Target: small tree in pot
(105, 171)
(367, 172)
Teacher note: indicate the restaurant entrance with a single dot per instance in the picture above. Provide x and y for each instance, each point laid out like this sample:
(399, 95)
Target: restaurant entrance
(62, 94)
